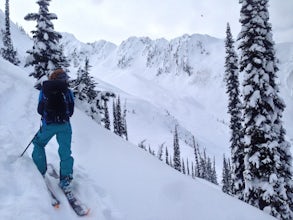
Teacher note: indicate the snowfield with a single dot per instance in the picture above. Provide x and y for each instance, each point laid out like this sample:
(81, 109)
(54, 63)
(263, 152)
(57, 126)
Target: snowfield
(116, 179)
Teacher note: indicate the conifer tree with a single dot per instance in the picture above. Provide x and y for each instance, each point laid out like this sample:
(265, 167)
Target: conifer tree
(119, 118)
(209, 170)
(167, 156)
(183, 166)
(192, 170)
(226, 177)
(196, 155)
(234, 109)
(8, 52)
(46, 54)
(176, 157)
(187, 165)
(214, 178)
(203, 165)
(84, 85)
(86, 95)
(142, 145)
(115, 121)
(106, 120)
(120, 124)
(267, 174)
(124, 123)
(160, 152)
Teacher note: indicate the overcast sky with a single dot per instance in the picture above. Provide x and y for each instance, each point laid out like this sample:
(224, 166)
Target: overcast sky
(116, 20)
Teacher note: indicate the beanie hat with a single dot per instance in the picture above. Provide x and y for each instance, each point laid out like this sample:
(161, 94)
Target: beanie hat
(59, 74)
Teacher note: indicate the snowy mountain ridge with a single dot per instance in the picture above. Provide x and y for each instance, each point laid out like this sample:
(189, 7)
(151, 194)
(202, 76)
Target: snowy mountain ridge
(188, 69)
(183, 54)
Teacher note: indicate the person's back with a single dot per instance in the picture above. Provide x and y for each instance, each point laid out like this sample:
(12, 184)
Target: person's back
(56, 106)
(57, 102)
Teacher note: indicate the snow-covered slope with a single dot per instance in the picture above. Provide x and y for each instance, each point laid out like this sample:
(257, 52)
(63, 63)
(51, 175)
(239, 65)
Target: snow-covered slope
(177, 82)
(117, 180)
(21, 41)
(168, 83)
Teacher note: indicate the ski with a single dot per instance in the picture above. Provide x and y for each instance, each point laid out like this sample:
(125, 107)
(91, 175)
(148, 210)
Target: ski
(54, 200)
(79, 208)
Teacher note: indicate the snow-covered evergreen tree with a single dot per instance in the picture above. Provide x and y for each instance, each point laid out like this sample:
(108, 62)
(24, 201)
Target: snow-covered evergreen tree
(167, 156)
(124, 123)
(8, 52)
(115, 121)
(196, 155)
(106, 120)
(119, 117)
(176, 156)
(187, 167)
(85, 93)
(226, 177)
(203, 165)
(267, 158)
(160, 152)
(46, 54)
(142, 145)
(192, 170)
(234, 109)
(183, 166)
(214, 178)
(84, 85)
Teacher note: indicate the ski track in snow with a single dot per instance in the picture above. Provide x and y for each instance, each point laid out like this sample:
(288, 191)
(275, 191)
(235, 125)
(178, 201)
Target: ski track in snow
(20, 177)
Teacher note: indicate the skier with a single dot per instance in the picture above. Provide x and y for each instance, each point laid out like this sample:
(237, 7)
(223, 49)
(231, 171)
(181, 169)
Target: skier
(56, 105)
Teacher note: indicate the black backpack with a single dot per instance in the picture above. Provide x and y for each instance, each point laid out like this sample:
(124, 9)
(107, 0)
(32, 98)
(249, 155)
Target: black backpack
(55, 101)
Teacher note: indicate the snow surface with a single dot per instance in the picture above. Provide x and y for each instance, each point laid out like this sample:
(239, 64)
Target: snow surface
(116, 179)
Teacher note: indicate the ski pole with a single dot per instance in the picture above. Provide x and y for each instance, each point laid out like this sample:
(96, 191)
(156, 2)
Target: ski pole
(29, 144)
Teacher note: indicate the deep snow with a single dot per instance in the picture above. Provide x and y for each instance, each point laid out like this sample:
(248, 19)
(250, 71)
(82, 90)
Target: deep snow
(116, 179)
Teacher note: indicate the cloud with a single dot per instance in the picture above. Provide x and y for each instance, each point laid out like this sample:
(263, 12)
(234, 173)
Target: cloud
(96, 2)
(113, 20)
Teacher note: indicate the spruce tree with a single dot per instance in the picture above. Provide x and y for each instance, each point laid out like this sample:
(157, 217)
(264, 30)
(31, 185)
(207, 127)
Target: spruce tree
(196, 155)
(226, 177)
(106, 120)
(46, 54)
(120, 126)
(119, 117)
(176, 156)
(192, 170)
(209, 170)
(167, 156)
(160, 152)
(183, 166)
(124, 123)
(8, 52)
(203, 165)
(87, 97)
(84, 85)
(187, 165)
(267, 158)
(115, 121)
(234, 109)
(214, 173)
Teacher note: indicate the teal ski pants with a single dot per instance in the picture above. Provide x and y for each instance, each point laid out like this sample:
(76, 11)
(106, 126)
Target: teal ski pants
(63, 134)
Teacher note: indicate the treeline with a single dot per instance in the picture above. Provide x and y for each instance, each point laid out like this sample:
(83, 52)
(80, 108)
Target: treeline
(200, 166)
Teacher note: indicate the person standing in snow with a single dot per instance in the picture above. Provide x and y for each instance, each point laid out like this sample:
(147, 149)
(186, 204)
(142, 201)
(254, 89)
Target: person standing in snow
(56, 105)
